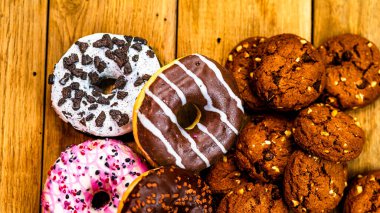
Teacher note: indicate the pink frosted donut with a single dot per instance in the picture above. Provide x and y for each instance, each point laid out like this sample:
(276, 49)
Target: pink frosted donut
(90, 177)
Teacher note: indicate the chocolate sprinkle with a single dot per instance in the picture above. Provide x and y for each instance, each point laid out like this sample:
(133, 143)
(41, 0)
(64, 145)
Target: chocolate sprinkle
(100, 119)
(51, 79)
(93, 107)
(118, 42)
(105, 41)
(86, 59)
(140, 40)
(137, 46)
(104, 101)
(138, 82)
(127, 68)
(90, 117)
(82, 46)
(99, 64)
(121, 95)
(135, 58)
(120, 82)
(64, 79)
(94, 77)
(150, 53)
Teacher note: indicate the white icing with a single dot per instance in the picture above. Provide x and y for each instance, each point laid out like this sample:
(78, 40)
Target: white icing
(209, 106)
(219, 75)
(156, 132)
(203, 128)
(144, 65)
(172, 85)
(168, 112)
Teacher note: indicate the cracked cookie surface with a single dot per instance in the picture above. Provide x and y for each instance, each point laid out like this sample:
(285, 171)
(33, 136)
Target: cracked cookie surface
(328, 133)
(264, 147)
(290, 74)
(241, 62)
(253, 198)
(364, 194)
(224, 175)
(352, 69)
(312, 184)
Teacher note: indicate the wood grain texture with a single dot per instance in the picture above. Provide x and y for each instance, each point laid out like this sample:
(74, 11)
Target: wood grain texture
(22, 60)
(333, 17)
(201, 23)
(154, 20)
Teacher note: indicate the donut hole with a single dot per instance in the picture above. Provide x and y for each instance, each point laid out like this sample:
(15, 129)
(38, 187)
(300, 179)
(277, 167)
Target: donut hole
(188, 116)
(106, 85)
(100, 199)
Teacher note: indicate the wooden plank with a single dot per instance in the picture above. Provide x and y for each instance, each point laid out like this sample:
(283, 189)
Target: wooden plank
(334, 17)
(22, 60)
(154, 20)
(213, 28)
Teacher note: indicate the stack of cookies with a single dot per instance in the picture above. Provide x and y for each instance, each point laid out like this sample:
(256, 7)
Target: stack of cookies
(292, 153)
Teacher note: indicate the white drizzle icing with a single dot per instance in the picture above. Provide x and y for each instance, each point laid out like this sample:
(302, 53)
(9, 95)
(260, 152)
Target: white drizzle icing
(168, 112)
(156, 132)
(172, 85)
(219, 75)
(203, 89)
(204, 129)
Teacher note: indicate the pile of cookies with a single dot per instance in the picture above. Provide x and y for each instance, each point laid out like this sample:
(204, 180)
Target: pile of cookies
(293, 151)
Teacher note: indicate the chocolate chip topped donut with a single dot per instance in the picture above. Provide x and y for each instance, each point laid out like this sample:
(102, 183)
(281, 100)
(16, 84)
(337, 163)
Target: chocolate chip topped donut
(188, 114)
(352, 68)
(290, 74)
(167, 189)
(97, 81)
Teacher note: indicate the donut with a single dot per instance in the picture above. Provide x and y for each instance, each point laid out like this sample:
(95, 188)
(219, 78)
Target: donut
(167, 189)
(96, 82)
(90, 177)
(187, 114)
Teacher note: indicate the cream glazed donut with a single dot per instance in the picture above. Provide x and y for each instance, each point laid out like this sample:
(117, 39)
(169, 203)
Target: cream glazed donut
(90, 177)
(96, 82)
(187, 114)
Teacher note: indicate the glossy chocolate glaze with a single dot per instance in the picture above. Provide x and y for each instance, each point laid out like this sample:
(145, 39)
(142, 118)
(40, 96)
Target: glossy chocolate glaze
(221, 99)
(169, 189)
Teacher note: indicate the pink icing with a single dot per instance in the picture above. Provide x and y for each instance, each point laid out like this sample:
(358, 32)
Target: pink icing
(84, 169)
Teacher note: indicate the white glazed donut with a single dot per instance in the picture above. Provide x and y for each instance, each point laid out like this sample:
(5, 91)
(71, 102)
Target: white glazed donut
(76, 94)
(90, 177)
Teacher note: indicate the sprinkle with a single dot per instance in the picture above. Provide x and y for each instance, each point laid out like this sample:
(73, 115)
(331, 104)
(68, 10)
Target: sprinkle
(345, 145)
(303, 41)
(336, 83)
(359, 189)
(334, 112)
(225, 159)
(309, 111)
(241, 191)
(378, 72)
(343, 79)
(276, 169)
(345, 183)
(238, 181)
(267, 142)
(298, 59)
(257, 59)
(230, 58)
(309, 89)
(262, 40)
(373, 83)
(246, 55)
(326, 151)
(325, 133)
(251, 74)
(360, 176)
(359, 96)
(372, 178)
(288, 133)
(369, 44)
(346, 151)
(295, 203)
(246, 45)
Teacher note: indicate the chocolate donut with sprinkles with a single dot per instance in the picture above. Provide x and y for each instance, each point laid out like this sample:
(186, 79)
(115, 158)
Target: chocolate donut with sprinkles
(91, 177)
(167, 189)
(187, 114)
(96, 82)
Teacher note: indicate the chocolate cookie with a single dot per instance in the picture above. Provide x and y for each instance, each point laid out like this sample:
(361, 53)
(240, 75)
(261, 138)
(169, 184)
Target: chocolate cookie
(313, 184)
(291, 73)
(264, 147)
(241, 62)
(364, 194)
(328, 133)
(225, 176)
(353, 71)
(253, 198)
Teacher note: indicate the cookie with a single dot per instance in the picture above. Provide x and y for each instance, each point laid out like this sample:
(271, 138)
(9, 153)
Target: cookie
(352, 69)
(364, 194)
(253, 198)
(264, 146)
(312, 184)
(224, 175)
(328, 133)
(241, 62)
(290, 74)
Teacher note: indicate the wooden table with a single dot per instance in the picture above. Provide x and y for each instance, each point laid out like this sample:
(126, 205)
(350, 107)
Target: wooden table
(35, 33)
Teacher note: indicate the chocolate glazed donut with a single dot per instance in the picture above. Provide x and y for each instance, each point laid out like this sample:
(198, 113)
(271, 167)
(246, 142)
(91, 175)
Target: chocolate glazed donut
(199, 83)
(167, 189)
